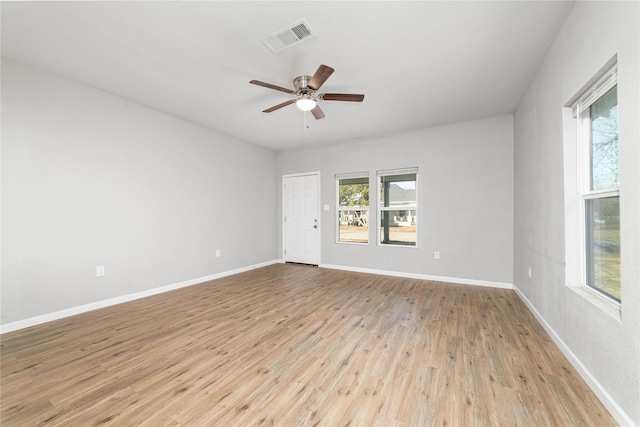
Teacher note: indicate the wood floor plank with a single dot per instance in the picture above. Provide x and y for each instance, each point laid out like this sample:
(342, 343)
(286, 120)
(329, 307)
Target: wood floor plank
(290, 345)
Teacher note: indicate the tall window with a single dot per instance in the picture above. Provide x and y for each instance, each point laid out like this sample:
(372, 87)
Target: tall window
(398, 206)
(353, 208)
(597, 115)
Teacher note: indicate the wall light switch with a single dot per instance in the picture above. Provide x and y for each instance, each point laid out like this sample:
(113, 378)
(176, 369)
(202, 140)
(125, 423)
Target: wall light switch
(217, 253)
(327, 207)
(436, 255)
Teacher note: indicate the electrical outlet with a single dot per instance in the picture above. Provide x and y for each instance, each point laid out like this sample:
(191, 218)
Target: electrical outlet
(100, 271)
(436, 255)
(529, 272)
(217, 253)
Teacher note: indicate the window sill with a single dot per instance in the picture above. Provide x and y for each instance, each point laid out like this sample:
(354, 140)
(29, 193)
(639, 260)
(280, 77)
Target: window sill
(606, 305)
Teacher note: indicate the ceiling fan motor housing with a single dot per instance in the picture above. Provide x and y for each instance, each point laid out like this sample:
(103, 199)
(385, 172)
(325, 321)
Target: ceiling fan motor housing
(301, 84)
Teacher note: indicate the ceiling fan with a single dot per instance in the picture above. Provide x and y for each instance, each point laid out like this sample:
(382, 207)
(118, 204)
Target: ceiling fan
(306, 92)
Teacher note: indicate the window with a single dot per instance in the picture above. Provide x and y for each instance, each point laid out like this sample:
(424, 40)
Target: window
(596, 112)
(353, 208)
(398, 207)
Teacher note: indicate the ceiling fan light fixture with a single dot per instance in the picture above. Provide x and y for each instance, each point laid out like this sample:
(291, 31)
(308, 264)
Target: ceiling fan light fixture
(306, 103)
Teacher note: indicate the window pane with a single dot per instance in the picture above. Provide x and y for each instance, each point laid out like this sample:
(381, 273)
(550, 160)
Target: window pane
(398, 190)
(354, 226)
(603, 245)
(398, 227)
(604, 141)
(353, 192)
(398, 203)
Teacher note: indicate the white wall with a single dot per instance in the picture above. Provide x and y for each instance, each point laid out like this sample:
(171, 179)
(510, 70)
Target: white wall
(465, 194)
(92, 179)
(607, 350)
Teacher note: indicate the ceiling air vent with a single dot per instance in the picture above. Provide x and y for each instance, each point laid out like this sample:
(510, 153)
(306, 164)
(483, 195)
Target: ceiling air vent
(289, 36)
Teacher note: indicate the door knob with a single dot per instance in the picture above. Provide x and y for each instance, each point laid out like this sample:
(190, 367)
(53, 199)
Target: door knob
(315, 226)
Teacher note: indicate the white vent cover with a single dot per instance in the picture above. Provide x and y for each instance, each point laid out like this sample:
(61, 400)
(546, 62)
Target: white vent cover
(288, 36)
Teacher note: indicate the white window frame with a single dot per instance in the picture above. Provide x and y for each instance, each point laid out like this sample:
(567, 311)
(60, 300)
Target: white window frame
(577, 152)
(381, 208)
(352, 208)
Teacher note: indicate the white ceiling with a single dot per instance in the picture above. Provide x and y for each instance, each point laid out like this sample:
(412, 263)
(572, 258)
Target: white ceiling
(419, 63)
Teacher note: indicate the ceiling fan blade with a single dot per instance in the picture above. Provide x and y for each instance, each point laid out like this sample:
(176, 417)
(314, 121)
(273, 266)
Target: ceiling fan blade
(277, 107)
(318, 113)
(322, 74)
(270, 86)
(352, 97)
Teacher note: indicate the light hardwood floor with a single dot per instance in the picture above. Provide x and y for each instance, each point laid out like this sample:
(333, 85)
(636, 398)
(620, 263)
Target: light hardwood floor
(293, 345)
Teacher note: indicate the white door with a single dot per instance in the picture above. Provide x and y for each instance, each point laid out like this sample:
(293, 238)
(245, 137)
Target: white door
(301, 219)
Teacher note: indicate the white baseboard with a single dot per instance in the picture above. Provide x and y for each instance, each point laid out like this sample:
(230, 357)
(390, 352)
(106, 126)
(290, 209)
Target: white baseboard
(37, 320)
(472, 282)
(616, 411)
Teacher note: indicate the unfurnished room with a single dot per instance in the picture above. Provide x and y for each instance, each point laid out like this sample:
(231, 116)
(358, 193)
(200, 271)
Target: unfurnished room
(325, 213)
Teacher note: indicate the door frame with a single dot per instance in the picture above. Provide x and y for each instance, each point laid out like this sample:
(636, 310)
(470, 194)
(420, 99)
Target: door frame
(284, 208)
